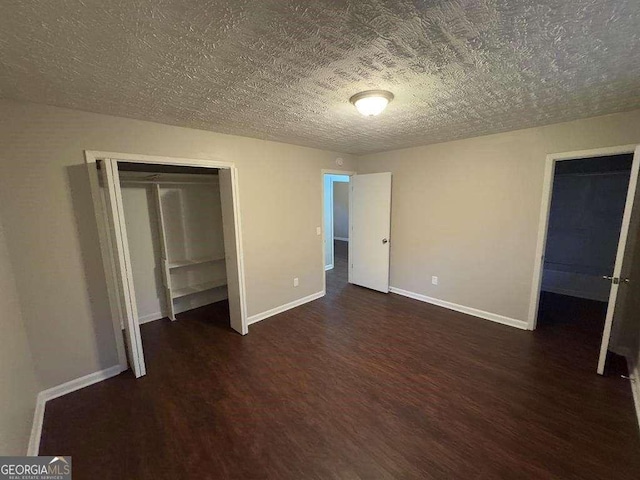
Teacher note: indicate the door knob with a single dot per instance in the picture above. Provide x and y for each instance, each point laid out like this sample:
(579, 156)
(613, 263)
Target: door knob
(385, 241)
(624, 280)
(606, 277)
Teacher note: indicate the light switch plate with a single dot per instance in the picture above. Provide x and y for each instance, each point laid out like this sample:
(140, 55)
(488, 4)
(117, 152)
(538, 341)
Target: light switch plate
(318, 231)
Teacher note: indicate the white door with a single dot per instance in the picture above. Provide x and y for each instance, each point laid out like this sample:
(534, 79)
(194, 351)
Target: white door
(620, 280)
(124, 275)
(370, 224)
(231, 233)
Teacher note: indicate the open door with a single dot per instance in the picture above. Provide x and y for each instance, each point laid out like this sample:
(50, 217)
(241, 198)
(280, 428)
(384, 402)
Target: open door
(370, 224)
(233, 260)
(124, 277)
(620, 281)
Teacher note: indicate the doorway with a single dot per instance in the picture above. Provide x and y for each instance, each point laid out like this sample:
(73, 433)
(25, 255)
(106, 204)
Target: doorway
(365, 248)
(114, 242)
(336, 196)
(585, 225)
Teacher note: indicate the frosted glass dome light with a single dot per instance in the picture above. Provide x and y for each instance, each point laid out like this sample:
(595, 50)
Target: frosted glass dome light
(371, 102)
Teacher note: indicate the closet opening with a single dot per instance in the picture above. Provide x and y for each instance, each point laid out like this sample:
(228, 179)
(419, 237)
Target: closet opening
(587, 241)
(173, 217)
(171, 240)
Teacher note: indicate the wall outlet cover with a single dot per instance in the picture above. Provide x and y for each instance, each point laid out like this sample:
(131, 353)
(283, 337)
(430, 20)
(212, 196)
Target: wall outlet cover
(434, 280)
(296, 282)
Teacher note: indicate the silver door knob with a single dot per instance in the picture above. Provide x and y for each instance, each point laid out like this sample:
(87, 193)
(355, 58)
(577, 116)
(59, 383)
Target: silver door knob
(385, 241)
(624, 280)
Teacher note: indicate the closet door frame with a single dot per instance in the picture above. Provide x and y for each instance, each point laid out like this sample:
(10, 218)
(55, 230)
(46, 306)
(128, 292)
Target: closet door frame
(107, 218)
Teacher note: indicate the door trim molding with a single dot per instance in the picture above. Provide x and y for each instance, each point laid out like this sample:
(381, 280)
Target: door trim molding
(494, 317)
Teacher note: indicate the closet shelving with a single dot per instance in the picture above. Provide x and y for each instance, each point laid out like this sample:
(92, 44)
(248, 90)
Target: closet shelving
(202, 287)
(193, 261)
(172, 266)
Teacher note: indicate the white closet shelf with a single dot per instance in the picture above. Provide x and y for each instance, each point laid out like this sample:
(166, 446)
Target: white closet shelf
(193, 261)
(184, 291)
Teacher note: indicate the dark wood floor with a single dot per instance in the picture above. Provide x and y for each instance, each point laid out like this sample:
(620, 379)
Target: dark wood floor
(357, 385)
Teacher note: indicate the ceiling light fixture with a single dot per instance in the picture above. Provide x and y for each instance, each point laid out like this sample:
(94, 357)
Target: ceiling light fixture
(371, 102)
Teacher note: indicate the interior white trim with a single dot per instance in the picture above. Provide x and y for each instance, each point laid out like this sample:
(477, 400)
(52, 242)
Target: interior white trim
(341, 239)
(36, 429)
(494, 317)
(328, 267)
(283, 308)
(60, 390)
(93, 155)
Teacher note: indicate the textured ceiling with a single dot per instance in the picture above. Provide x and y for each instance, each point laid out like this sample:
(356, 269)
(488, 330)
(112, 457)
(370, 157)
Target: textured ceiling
(284, 70)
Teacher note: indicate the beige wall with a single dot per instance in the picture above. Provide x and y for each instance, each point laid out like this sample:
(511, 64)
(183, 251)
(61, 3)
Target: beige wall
(468, 211)
(52, 238)
(18, 384)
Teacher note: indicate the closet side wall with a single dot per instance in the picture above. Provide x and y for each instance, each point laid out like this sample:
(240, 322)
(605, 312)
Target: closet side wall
(144, 246)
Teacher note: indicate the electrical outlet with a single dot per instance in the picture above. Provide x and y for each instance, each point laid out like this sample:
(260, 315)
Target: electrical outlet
(434, 280)
(318, 231)
(295, 282)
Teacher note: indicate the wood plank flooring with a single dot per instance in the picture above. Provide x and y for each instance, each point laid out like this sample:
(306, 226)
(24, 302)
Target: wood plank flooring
(356, 385)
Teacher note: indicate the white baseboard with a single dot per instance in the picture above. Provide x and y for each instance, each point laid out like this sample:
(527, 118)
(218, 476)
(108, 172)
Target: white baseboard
(151, 317)
(36, 428)
(494, 317)
(328, 267)
(60, 390)
(634, 374)
(342, 239)
(283, 308)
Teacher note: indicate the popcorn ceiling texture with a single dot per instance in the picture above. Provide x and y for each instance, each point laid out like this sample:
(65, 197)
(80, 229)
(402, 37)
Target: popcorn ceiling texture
(284, 70)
